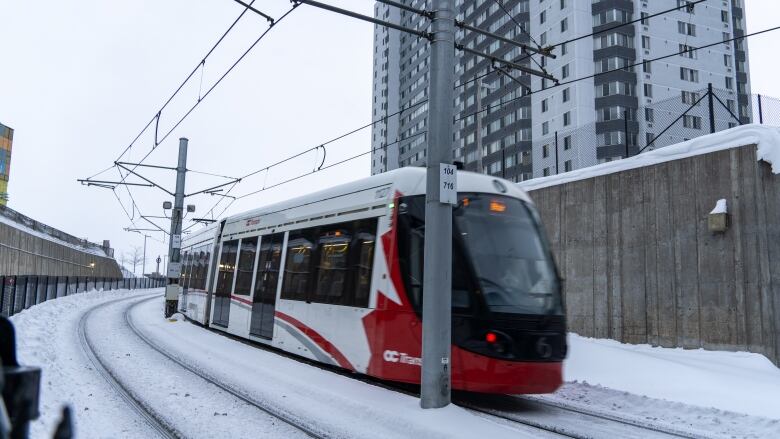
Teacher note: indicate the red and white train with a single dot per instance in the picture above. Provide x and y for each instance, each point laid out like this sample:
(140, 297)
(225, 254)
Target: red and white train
(336, 277)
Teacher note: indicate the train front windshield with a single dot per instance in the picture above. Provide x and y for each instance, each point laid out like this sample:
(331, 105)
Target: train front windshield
(501, 262)
(508, 256)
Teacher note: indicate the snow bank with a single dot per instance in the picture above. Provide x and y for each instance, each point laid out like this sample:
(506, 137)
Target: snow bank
(720, 207)
(734, 381)
(766, 138)
(47, 336)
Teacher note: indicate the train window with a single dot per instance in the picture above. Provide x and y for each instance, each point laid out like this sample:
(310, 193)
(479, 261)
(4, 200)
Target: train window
(332, 270)
(227, 266)
(183, 273)
(331, 264)
(298, 264)
(361, 261)
(246, 265)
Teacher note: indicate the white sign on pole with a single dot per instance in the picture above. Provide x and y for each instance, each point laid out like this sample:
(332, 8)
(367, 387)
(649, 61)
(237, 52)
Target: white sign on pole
(448, 179)
(176, 241)
(174, 269)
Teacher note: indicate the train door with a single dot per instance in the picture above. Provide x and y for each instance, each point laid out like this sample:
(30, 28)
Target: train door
(225, 275)
(264, 300)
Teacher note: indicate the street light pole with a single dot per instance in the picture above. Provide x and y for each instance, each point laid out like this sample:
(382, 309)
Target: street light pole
(440, 194)
(143, 270)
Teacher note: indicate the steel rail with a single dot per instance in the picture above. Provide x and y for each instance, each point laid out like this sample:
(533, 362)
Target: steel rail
(212, 380)
(155, 421)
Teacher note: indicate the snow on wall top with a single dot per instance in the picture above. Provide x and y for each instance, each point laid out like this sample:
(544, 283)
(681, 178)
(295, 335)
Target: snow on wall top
(97, 251)
(766, 138)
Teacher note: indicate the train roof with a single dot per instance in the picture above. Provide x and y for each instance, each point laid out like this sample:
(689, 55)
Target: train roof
(366, 194)
(406, 181)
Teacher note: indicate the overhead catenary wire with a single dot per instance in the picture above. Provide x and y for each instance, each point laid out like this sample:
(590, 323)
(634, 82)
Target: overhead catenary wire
(208, 91)
(523, 30)
(592, 34)
(630, 66)
(183, 83)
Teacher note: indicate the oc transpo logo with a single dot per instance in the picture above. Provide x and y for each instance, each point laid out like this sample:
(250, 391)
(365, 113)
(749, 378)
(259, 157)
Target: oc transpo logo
(401, 357)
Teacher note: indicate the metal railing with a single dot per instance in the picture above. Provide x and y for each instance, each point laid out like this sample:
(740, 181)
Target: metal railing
(18, 293)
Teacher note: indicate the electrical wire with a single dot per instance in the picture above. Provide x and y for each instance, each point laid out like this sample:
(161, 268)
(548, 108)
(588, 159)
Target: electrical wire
(630, 66)
(522, 29)
(306, 174)
(592, 34)
(200, 64)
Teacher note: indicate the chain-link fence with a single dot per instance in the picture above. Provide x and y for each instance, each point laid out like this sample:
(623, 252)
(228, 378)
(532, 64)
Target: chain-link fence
(21, 292)
(622, 131)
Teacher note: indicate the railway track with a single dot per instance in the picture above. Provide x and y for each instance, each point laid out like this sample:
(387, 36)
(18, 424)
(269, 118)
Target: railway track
(284, 417)
(157, 423)
(567, 421)
(136, 402)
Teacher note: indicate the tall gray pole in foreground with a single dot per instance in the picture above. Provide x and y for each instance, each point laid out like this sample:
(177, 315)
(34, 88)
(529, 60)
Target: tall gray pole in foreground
(174, 243)
(440, 192)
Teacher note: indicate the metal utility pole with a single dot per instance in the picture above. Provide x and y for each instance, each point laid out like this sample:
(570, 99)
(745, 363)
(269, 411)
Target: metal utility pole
(711, 102)
(174, 243)
(441, 193)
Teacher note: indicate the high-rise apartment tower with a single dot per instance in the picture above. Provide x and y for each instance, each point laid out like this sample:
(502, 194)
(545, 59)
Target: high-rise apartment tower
(530, 128)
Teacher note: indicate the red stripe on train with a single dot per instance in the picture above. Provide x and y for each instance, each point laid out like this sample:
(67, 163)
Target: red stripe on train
(321, 341)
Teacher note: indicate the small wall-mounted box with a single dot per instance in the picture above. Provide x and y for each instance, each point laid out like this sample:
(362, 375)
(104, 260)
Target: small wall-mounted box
(718, 220)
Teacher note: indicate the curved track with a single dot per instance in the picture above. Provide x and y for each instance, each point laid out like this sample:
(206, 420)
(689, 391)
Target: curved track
(152, 419)
(565, 420)
(208, 378)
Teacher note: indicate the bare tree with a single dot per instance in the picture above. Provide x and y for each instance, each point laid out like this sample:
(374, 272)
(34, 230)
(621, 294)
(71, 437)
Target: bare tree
(135, 257)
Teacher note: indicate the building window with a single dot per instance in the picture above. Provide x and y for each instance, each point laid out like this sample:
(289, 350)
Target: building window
(544, 105)
(542, 17)
(564, 49)
(649, 90)
(692, 122)
(686, 28)
(567, 143)
(543, 39)
(545, 128)
(724, 16)
(564, 25)
(729, 83)
(567, 94)
(563, 4)
(727, 60)
(545, 151)
(546, 172)
(689, 97)
(689, 75)
(687, 51)
(567, 166)
(565, 71)
(645, 42)
(644, 19)
(649, 115)
(647, 66)
(567, 118)
(649, 137)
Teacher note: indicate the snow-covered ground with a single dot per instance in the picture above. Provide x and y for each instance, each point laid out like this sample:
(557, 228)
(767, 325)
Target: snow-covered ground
(740, 382)
(719, 394)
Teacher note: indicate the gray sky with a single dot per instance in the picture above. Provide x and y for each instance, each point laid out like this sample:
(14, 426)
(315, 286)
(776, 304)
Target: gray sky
(79, 79)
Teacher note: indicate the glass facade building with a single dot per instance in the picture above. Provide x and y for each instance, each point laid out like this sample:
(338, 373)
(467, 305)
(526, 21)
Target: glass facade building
(6, 140)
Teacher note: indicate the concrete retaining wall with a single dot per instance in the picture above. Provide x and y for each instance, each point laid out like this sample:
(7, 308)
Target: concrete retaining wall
(25, 253)
(640, 265)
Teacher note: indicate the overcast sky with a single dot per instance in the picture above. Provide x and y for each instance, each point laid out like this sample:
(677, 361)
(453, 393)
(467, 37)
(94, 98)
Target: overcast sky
(79, 79)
